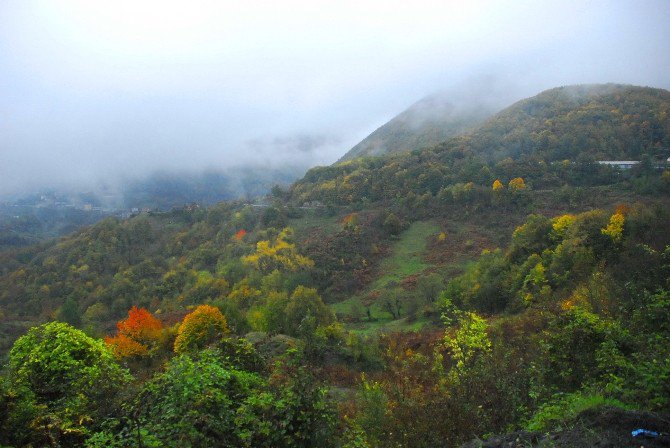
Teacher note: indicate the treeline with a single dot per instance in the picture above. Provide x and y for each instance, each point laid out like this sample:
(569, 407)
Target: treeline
(453, 177)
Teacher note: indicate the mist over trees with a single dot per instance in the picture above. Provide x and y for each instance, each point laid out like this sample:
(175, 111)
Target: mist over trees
(233, 224)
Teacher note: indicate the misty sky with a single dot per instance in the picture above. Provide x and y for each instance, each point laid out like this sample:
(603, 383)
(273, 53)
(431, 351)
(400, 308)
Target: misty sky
(97, 90)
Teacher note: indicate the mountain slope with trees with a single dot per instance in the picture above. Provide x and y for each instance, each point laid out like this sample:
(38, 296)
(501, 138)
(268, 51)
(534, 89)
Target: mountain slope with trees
(600, 121)
(558, 135)
(428, 122)
(369, 301)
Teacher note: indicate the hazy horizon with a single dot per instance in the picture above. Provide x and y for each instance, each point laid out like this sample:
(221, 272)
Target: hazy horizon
(98, 92)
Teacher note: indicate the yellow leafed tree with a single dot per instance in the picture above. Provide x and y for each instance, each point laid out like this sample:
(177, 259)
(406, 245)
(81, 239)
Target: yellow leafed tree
(279, 254)
(615, 227)
(497, 185)
(205, 325)
(561, 224)
(517, 184)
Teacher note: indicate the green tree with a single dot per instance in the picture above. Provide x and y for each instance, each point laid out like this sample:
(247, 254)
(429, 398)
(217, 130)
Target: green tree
(392, 302)
(470, 341)
(429, 287)
(305, 311)
(532, 237)
(194, 403)
(292, 411)
(392, 224)
(64, 382)
(206, 399)
(69, 312)
(571, 346)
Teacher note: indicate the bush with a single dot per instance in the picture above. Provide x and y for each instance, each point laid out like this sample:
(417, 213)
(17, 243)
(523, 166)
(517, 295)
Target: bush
(63, 382)
(565, 407)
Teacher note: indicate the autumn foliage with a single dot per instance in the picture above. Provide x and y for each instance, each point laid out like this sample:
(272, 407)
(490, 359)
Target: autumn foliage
(615, 227)
(240, 234)
(350, 220)
(517, 184)
(125, 347)
(206, 324)
(136, 335)
(279, 254)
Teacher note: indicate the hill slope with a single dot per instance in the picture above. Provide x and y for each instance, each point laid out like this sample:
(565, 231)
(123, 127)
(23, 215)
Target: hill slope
(428, 122)
(580, 124)
(601, 121)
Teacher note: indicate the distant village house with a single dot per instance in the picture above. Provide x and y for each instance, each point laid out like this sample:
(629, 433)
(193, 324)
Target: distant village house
(620, 164)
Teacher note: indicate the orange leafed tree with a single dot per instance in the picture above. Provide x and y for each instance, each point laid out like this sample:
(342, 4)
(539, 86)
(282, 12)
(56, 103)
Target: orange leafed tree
(140, 325)
(622, 209)
(240, 234)
(350, 220)
(124, 347)
(136, 334)
(497, 185)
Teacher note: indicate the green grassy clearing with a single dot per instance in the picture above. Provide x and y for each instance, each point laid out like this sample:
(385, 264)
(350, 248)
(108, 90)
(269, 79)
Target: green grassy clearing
(407, 255)
(407, 258)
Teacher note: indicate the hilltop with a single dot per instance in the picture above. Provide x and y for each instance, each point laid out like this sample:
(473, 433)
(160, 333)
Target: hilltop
(600, 122)
(604, 120)
(427, 122)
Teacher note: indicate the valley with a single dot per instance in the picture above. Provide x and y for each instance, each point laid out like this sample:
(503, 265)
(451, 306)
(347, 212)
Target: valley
(499, 280)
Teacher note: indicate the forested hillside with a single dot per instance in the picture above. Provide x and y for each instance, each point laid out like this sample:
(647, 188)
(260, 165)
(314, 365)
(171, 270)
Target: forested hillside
(25, 225)
(480, 286)
(601, 122)
(426, 123)
(557, 134)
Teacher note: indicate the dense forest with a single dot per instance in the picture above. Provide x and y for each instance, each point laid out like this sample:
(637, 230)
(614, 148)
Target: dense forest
(500, 281)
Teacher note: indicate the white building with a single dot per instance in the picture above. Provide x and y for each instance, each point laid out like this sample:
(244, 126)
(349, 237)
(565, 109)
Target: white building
(620, 164)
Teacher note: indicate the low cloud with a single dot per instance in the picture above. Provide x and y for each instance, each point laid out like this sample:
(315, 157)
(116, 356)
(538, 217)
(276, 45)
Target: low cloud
(96, 93)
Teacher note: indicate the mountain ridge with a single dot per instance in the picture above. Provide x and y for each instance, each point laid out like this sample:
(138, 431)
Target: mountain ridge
(621, 114)
(429, 121)
(571, 125)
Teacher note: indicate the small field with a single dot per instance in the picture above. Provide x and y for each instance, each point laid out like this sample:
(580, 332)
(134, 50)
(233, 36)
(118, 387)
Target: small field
(407, 255)
(364, 312)
(312, 221)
